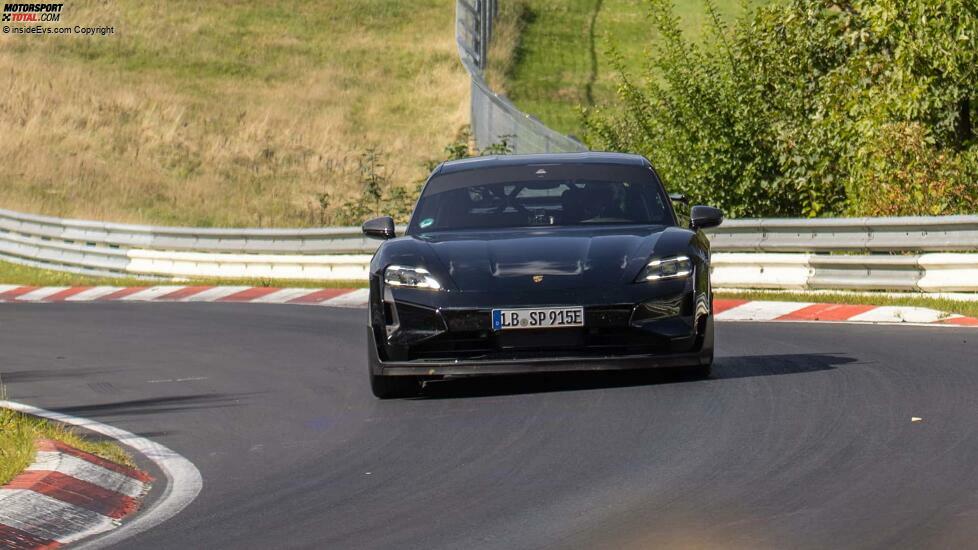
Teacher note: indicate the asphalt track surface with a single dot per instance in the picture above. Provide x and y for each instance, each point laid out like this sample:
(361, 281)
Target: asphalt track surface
(803, 438)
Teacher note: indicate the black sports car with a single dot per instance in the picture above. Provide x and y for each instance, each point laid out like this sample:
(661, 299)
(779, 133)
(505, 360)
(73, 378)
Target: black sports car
(529, 263)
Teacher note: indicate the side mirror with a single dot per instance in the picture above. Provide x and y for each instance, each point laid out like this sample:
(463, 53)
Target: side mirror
(379, 228)
(679, 197)
(702, 217)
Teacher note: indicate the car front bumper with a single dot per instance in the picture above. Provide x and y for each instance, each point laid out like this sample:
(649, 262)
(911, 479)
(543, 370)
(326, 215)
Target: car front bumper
(520, 365)
(626, 327)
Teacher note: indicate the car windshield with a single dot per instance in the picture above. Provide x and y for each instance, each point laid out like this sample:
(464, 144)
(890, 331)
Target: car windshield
(598, 198)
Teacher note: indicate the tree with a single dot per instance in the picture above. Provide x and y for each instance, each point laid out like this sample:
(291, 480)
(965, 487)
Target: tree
(787, 113)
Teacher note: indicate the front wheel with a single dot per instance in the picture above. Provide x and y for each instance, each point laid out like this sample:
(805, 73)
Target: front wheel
(393, 387)
(702, 370)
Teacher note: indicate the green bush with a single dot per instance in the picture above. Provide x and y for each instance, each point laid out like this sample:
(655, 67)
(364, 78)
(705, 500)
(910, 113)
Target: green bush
(902, 173)
(808, 107)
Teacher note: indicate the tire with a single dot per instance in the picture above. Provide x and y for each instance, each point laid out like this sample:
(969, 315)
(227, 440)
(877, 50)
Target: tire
(388, 387)
(393, 387)
(700, 372)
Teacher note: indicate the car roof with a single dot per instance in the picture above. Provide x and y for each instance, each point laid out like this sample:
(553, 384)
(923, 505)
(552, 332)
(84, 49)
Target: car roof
(495, 161)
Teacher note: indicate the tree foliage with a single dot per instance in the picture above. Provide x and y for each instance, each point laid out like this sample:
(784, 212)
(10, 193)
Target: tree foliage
(808, 107)
(380, 195)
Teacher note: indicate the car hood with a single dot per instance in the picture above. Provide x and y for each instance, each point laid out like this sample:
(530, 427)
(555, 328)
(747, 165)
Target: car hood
(546, 259)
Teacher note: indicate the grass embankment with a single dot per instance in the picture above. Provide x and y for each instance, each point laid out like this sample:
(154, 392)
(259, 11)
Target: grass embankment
(18, 432)
(233, 114)
(961, 307)
(15, 274)
(562, 61)
(504, 49)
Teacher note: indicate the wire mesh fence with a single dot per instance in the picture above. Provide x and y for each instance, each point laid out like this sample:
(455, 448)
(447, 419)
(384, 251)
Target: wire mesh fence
(494, 118)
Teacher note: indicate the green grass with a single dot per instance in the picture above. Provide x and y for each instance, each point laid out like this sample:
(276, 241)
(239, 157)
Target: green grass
(18, 432)
(562, 61)
(16, 274)
(961, 307)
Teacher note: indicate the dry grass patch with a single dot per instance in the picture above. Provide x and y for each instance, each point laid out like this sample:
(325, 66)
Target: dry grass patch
(239, 116)
(504, 48)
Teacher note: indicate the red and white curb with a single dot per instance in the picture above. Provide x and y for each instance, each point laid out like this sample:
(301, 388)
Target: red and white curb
(726, 310)
(53, 524)
(66, 495)
(333, 297)
(744, 310)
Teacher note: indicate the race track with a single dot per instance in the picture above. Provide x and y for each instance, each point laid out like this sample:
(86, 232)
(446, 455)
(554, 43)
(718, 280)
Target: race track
(803, 438)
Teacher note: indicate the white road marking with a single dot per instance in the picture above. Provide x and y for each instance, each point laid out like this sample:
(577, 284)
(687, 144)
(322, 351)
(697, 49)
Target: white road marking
(215, 293)
(151, 293)
(93, 293)
(760, 311)
(190, 379)
(183, 480)
(72, 466)
(357, 298)
(46, 517)
(899, 314)
(284, 295)
(40, 294)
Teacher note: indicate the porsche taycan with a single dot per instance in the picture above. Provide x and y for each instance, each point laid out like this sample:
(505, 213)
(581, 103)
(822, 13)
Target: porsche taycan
(539, 263)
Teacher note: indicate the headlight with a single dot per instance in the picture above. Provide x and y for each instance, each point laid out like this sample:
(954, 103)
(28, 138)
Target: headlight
(666, 268)
(412, 277)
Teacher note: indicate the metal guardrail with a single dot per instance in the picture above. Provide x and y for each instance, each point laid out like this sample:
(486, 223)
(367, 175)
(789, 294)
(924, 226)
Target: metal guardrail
(112, 249)
(329, 240)
(935, 272)
(494, 118)
(786, 253)
(897, 234)
(901, 234)
(803, 254)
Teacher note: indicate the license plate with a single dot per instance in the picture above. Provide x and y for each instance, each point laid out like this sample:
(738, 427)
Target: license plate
(539, 317)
